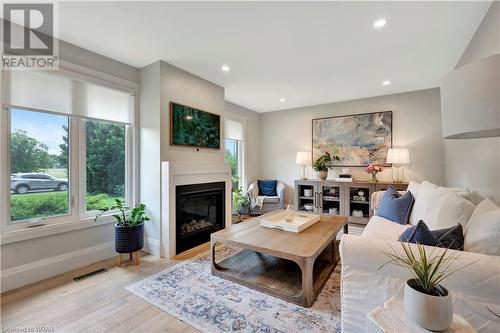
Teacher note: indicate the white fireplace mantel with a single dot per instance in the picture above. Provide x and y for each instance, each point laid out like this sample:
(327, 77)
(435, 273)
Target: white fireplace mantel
(185, 173)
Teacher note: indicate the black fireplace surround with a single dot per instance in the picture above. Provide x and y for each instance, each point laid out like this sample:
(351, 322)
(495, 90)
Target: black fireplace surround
(200, 211)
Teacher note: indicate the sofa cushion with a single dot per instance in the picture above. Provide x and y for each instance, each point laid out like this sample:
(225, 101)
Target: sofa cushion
(421, 202)
(396, 207)
(446, 209)
(274, 199)
(482, 234)
(382, 228)
(267, 187)
(448, 238)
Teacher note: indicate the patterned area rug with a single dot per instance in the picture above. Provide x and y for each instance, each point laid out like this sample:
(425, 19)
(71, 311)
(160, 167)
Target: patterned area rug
(189, 292)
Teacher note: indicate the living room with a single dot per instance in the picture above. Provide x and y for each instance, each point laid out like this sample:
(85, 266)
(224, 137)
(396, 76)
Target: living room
(231, 108)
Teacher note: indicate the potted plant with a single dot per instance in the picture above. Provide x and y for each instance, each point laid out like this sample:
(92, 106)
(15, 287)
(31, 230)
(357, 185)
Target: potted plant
(240, 201)
(129, 227)
(426, 301)
(322, 164)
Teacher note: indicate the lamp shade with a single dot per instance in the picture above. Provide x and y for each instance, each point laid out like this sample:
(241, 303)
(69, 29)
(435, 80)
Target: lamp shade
(303, 158)
(398, 156)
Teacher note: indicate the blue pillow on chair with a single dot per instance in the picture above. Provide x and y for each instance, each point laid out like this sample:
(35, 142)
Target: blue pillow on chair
(267, 187)
(396, 207)
(452, 238)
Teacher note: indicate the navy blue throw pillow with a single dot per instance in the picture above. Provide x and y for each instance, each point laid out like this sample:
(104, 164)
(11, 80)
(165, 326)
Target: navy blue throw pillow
(420, 234)
(396, 207)
(267, 187)
(452, 238)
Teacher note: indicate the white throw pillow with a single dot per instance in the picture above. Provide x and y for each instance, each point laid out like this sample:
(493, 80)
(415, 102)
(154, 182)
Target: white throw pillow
(421, 202)
(413, 187)
(446, 209)
(482, 234)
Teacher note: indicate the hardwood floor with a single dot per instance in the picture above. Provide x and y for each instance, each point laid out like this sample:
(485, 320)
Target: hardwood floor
(97, 304)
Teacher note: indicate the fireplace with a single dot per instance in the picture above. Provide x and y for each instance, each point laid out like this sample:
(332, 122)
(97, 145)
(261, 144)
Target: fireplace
(200, 211)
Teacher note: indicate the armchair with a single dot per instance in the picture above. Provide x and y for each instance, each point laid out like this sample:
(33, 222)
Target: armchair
(269, 203)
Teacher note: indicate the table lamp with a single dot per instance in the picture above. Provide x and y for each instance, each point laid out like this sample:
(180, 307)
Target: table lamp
(397, 157)
(303, 159)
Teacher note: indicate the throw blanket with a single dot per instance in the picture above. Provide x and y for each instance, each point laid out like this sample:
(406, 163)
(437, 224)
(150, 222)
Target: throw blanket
(256, 200)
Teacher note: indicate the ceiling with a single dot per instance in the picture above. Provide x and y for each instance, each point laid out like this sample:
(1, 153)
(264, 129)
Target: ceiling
(306, 53)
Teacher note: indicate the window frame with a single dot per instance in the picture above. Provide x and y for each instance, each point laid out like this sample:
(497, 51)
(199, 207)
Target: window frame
(77, 218)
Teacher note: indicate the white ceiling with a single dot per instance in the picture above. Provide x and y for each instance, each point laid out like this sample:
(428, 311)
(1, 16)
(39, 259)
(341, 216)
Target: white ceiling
(308, 53)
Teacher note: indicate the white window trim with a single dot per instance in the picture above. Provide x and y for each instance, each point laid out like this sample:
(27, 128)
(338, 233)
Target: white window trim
(241, 146)
(78, 218)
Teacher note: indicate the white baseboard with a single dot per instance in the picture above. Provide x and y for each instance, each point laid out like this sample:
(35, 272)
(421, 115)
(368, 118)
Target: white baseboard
(19, 276)
(152, 246)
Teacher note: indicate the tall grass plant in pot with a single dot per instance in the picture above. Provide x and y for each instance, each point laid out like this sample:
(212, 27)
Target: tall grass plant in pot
(426, 301)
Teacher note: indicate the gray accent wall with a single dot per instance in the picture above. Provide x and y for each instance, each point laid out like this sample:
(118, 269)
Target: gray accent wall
(475, 163)
(416, 126)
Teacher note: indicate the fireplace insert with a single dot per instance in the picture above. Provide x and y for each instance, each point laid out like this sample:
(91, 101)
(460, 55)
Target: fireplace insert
(200, 211)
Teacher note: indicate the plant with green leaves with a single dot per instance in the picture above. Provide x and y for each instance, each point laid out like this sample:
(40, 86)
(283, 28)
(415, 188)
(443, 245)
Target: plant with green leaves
(323, 162)
(428, 270)
(124, 216)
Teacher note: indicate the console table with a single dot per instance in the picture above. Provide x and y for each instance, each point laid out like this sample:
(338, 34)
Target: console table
(340, 198)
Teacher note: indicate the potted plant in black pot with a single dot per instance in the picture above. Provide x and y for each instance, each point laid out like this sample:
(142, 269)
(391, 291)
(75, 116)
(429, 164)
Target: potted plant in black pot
(129, 227)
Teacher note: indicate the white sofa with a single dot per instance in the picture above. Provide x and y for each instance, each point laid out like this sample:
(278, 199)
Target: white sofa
(364, 286)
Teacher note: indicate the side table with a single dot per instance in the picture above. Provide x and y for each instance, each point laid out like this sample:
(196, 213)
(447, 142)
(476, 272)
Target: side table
(391, 318)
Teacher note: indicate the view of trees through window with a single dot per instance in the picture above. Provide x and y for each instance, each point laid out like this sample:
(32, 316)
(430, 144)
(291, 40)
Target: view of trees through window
(39, 155)
(105, 163)
(232, 157)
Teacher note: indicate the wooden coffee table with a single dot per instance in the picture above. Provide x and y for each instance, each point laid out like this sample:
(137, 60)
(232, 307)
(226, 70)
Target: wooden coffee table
(291, 266)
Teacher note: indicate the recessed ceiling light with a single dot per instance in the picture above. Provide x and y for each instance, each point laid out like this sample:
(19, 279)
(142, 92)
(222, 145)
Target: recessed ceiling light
(379, 23)
(282, 100)
(386, 82)
(225, 68)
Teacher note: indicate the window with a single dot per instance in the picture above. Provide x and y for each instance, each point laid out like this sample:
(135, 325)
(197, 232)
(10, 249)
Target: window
(234, 150)
(63, 162)
(39, 165)
(105, 164)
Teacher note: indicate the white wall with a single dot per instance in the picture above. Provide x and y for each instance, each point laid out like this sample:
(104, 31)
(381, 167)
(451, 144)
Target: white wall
(416, 125)
(150, 142)
(475, 163)
(251, 120)
(34, 259)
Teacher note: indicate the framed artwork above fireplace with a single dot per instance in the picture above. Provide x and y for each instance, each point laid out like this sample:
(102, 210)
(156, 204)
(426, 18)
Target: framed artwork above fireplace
(358, 140)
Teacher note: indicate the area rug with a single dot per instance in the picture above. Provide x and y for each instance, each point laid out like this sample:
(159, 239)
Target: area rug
(189, 292)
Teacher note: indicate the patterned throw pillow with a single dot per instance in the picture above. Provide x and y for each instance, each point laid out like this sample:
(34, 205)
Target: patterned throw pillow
(452, 238)
(396, 207)
(267, 187)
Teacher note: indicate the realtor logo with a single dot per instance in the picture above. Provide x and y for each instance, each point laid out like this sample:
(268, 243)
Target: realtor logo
(28, 35)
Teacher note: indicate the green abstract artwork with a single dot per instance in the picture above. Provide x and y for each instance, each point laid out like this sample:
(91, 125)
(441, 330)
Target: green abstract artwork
(193, 127)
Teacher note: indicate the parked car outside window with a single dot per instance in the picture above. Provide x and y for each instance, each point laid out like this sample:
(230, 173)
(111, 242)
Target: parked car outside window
(22, 183)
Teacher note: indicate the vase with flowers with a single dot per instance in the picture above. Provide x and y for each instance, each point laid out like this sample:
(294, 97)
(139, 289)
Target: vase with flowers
(372, 170)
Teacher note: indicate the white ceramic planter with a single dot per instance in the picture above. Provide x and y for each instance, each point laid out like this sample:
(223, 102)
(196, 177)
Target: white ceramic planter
(322, 175)
(431, 312)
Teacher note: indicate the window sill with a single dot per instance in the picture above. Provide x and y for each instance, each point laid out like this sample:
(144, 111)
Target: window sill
(52, 229)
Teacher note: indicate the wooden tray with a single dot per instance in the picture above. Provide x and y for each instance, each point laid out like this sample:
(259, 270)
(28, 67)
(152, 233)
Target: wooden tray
(300, 221)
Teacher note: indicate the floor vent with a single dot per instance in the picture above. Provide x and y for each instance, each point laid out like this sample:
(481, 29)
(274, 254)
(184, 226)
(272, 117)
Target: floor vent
(88, 275)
